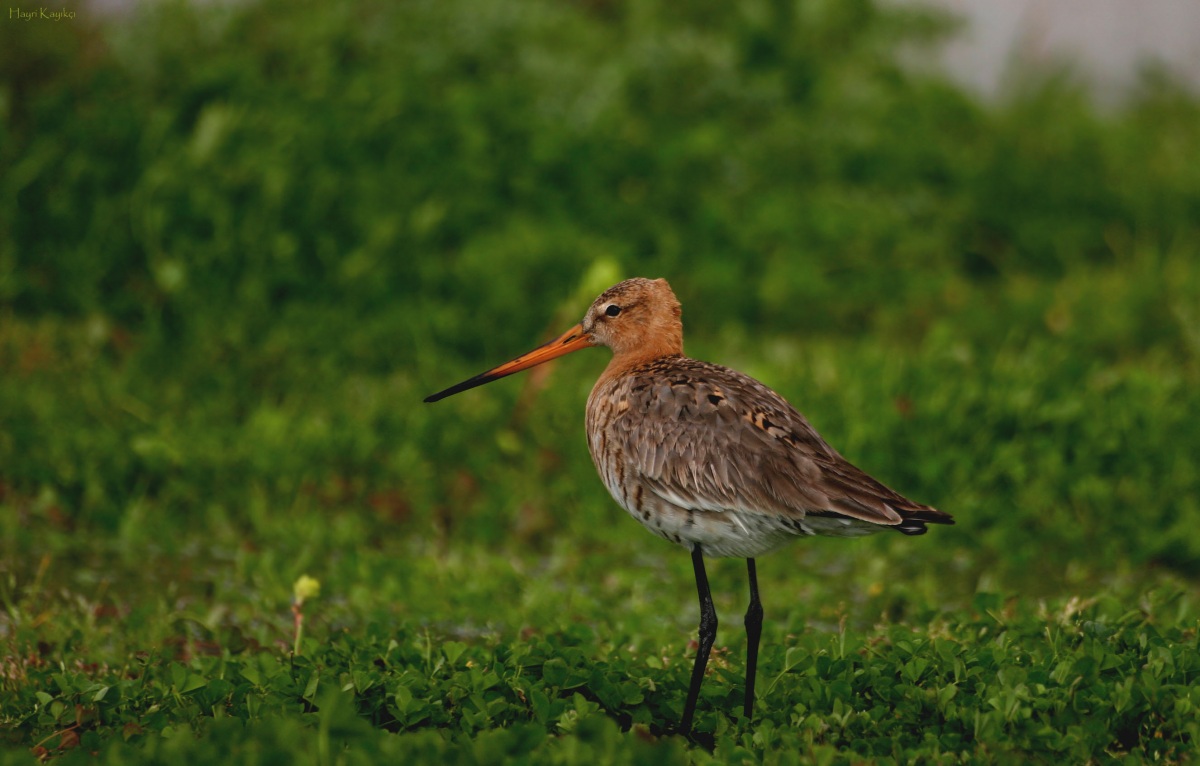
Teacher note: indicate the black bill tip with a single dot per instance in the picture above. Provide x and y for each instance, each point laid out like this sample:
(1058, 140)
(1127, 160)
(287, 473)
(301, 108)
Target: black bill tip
(478, 380)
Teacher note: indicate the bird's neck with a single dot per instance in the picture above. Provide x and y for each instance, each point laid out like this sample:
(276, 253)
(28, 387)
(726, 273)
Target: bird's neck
(627, 359)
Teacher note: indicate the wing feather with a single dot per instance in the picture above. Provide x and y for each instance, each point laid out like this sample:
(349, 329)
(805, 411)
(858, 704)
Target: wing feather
(708, 438)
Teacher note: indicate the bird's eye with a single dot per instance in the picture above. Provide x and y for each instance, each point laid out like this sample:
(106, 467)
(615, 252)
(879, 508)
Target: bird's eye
(612, 310)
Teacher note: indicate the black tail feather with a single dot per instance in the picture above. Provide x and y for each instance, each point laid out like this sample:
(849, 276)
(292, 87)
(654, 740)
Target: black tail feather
(915, 521)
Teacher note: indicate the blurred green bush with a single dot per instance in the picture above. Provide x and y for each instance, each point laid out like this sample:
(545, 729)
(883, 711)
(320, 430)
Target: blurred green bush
(239, 243)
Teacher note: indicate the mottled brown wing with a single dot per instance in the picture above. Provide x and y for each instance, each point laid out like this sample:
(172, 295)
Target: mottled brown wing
(707, 437)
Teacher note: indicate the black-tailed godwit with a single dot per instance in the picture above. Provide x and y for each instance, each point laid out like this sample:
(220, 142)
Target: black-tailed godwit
(707, 457)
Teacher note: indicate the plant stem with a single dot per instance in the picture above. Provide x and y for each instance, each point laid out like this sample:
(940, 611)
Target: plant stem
(298, 619)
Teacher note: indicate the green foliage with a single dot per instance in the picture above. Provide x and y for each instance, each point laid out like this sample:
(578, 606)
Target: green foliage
(238, 245)
(995, 681)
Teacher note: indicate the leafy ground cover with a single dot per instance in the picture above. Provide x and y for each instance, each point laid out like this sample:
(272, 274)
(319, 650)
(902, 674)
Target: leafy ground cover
(238, 245)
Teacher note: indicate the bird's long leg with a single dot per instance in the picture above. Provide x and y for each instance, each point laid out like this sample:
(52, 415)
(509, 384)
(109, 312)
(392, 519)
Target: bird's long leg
(754, 618)
(708, 633)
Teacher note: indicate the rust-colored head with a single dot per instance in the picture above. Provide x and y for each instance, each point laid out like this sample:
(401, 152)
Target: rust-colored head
(638, 319)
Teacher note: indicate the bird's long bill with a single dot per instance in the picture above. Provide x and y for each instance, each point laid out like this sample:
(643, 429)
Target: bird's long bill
(571, 340)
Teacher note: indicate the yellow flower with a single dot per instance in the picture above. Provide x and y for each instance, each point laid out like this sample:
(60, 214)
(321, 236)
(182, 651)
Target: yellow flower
(305, 588)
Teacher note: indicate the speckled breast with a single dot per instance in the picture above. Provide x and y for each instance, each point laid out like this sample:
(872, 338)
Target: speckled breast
(639, 451)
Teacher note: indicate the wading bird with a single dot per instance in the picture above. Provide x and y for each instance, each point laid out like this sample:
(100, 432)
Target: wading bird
(707, 457)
